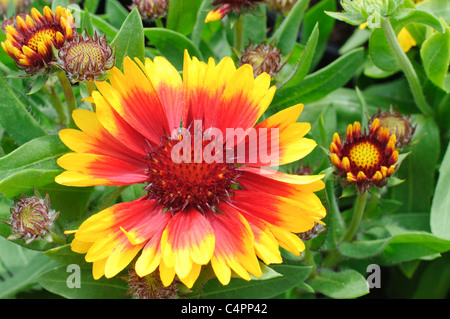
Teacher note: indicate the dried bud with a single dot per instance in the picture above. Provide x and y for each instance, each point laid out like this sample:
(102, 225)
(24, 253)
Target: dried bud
(313, 232)
(151, 9)
(87, 58)
(397, 124)
(150, 286)
(281, 6)
(32, 218)
(263, 58)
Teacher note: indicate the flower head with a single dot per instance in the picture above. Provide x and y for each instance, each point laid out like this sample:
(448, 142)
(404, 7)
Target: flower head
(195, 144)
(225, 6)
(151, 9)
(29, 39)
(86, 58)
(263, 58)
(397, 124)
(32, 218)
(365, 159)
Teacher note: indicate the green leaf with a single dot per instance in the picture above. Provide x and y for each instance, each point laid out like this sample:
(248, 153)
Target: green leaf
(440, 208)
(421, 17)
(350, 18)
(19, 268)
(55, 281)
(182, 15)
(172, 44)
(317, 15)
(380, 52)
(15, 118)
(31, 165)
(418, 169)
(116, 12)
(414, 245)
(286, 34)
(322, 82)
(362, 248)
(435, 54)
(439, 8)
(38, 84)
(129, 41)
(257, 289)
(304, 64)
(255, 25)
(65, 256)
(340, 285)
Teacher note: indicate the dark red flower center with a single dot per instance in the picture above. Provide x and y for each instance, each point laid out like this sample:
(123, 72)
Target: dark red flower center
(178, 180)
(364, 155)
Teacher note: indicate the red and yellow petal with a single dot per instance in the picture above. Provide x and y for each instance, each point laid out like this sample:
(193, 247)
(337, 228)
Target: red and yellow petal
(224, 97)
(187, 240)
(92, 169)
(134, 98)
(104, 240)
(95, 139)
(278, 140)
(234, 248)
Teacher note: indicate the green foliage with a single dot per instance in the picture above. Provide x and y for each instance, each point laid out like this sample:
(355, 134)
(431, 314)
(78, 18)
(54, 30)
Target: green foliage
(340, 74)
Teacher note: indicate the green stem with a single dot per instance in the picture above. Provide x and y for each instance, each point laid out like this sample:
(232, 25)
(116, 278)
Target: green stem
(112, 197)
(68, 91)
(332, 259)
(159, 23)
(91, 88)
(57, 105)
(358, 213)
(407, 68)
(239, 34)
(309, 256)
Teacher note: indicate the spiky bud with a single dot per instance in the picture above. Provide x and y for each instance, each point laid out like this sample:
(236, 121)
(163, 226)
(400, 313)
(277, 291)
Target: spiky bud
(263, 58)
(149, 287)
(397, 124)
(31, 218)
(87, 58)
(281, 6)
(151, 9)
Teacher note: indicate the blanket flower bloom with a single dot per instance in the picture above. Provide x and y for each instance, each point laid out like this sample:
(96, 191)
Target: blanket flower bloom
(365, 159)
(224, 214)
(29, 39)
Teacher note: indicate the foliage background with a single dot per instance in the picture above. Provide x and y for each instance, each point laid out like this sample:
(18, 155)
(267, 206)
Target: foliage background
(340, 72)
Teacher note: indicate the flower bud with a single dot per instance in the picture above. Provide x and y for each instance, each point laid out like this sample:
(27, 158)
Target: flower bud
(263, 58)
(86, 58)
(32, 218)
(281, 6)
(397, 124)
(151, 9)
(150, 286)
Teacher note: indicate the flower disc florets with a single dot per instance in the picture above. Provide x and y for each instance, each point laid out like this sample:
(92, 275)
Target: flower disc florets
(29, 39)
(365, 159)
(32, 218)
(263, 58)
(87, 58)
